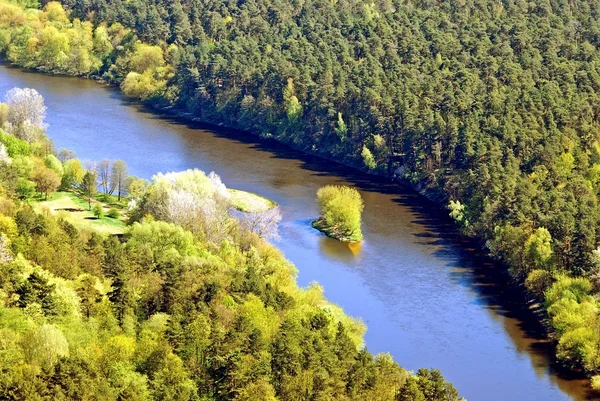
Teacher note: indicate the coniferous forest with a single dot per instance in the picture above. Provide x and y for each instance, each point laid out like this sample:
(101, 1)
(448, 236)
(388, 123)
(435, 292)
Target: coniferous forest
(491, 106)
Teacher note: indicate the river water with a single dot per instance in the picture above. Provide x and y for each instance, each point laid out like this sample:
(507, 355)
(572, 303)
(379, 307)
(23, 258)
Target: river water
(427, 297)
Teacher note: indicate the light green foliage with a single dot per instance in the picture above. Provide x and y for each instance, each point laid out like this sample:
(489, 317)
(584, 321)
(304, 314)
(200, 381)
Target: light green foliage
(596, 382)
(102, 43)
(24, 166)
(3, 108)
(458, 213)
(341, 129)
(159, 239)
(538, 249)
(341, 209)
(25, 188)
(54, 164)
(15, 146)
(44, 346)
(73, 173)
(142, 86)
(368, 159)
(156, 316)
(574, 315)
(145, 57)
(263, 318)
(136, 187)
(564, 166)
(98, 210)
(148, 73)
(538, 281)
(293, 108)
(52, 43)
(8, 226)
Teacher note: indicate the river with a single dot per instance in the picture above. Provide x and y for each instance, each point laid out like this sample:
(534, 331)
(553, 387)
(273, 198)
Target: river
(427, 297)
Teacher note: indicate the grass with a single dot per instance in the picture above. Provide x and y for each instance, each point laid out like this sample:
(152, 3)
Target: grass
(250, 203)
(74, 209)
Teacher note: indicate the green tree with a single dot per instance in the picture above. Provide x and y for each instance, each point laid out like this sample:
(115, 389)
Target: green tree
(98, 210)
(118, 177)
(340, 209)
(46, 180)
(89, 186)
(538, 249)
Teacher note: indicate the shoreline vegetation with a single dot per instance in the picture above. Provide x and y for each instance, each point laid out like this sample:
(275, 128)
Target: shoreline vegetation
(479, 116)
(187, 302)
(249, 202)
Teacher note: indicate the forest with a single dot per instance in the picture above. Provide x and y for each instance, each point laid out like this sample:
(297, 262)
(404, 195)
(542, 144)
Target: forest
(490, 106)
(180, 306)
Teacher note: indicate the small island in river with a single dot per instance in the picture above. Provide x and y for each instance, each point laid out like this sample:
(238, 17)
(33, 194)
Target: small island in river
(340, 208)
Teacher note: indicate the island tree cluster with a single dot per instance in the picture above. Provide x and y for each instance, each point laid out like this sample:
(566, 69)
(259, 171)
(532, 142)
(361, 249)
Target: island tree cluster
(340, 208)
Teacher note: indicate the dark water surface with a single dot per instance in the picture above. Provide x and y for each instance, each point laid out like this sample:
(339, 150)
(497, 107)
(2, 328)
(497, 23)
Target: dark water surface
(427, 298)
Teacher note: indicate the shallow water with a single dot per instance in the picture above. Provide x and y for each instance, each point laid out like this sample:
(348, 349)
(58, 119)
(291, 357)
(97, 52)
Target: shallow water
(427, 297)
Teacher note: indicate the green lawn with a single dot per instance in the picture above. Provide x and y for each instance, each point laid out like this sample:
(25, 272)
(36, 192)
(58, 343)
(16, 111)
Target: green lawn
(75, 210)
(249, 202)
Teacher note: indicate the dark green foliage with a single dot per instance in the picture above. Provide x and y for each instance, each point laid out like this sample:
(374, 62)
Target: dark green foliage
(36, 289)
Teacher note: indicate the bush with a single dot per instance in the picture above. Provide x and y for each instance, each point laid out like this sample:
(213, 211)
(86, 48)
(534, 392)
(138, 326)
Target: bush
(98, 210)
(340, 209)
(113, 213)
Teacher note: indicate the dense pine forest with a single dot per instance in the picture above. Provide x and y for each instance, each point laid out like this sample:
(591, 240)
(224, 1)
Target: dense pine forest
(492, 105)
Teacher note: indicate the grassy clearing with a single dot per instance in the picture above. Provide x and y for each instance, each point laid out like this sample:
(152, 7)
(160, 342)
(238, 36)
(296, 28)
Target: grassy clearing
(75, 210)
(250, 203)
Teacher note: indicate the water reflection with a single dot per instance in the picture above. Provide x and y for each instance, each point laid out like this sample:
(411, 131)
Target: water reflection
(347, 253)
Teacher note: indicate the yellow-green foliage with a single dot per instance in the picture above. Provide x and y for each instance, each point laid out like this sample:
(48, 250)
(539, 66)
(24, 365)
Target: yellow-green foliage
(341, 209)
(148, 74)
(48, 41)
(157, 314)
(596, 383)
(574, 318)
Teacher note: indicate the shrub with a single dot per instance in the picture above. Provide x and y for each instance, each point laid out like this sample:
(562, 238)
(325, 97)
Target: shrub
(340, 209)
(98, 211)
